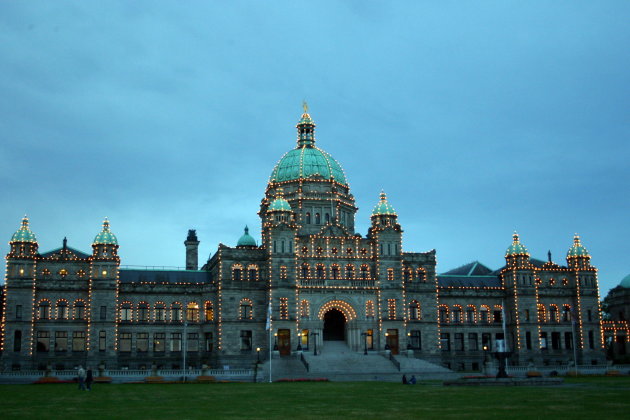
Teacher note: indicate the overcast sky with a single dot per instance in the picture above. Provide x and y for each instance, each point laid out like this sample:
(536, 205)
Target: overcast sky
(477, 118)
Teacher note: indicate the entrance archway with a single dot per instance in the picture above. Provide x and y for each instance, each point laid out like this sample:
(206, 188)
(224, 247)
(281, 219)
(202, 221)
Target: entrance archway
(334, 325)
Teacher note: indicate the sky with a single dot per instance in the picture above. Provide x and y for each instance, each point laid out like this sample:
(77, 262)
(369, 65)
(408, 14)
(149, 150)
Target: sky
(476, 118)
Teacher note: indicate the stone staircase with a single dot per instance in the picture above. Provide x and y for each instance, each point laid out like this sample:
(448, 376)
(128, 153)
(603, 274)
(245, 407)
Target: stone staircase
(337, 362)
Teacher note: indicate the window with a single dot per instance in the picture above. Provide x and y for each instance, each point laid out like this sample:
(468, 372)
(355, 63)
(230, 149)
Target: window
(17, 340)
(459, 342)
(526, 314)
(457, 315)
(473, 343)
(566, 313)
(443, 314)
(304, 309)
(496, 316)
(209, 312)
(252, 273)
(543, 340)
(553, 313)
(542, 315)
(143, 312)
(305, 269)
(390, 274)
(193, 342)
(414, 310)
(79, 309)
(237, 271)
(43, 341)
(483, 314)
(369, 309)
(349, 271)
(18, 311)
(589, 315)
(318, 219)
(209, 342)
(334, 270)
(555, 340)
(470, 314)
(370, 339)
(125, 342)
(365, 272)
(415, 340)
(102, 341)
(142, 342)
(192, 312)
(391, 308)
(176, 312)
(308, 218)
(422, 275)
(568, 340)
(591, 340)
(320, 271)
(126, 312)
(408, 273)
(176, 342)
(103, 313)
(445, 341)
(61, 341)
(284, 308)
(486, 342)
(160, 312)
(327, 218)
(528, 340)
(245, 311)
(78, 341)
(283, 272)
(43, 310)
(63, 312)
(246, 340)
(159, 340)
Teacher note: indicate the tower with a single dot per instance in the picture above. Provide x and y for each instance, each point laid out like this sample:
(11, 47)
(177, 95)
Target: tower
(192, 250)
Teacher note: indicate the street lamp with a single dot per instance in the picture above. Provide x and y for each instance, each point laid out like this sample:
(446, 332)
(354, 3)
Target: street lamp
(314, 335)
(386, 343)
(364, 334)
(275, 345)
(257, 354)
(408, 341)
(299, 346)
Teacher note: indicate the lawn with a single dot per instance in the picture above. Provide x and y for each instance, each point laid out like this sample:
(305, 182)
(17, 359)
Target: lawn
(578, 398)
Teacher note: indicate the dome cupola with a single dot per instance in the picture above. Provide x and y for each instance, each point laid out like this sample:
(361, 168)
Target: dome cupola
(105, 237)
(625, 282)
(24, 233)
(246, 240)
(577, 250)
(279, 204)
(383, 208)
(517, 248)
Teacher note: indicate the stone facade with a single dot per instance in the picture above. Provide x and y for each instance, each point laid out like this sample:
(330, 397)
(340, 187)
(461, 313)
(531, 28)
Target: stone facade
(312, 279)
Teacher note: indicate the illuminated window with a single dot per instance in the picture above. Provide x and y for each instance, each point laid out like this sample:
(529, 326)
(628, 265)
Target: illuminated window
(470, 314)
(422, 275)
(160, 312)
(61, 341)
(284, 308)
(304, 309)
(443, 314)
(305, 270)
(176, 312)
(365, 272)
(159, 342)
(143, 312)
(349, 271)
(321, 273)
(391, 308)
(78, 341)
(369, 309)
(457, 314)
(553, 313)
(542, 313)
(414, 310)
(43, 311)
(283, 272)
(566, 313)
(209, 312)
(237, 272)
(390, 274)
(252, 272)
(192, 312)
(79, 309)
(43, 341)
(63, 312)
(334, 270)
(245, 309)
(126, 312)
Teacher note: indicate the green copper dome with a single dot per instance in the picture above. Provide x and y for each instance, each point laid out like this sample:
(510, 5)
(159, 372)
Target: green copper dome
(105, 237)
(279, 204)
(24, 234)
(246, 239)
(306, 160)
(517, 248)
(577, 250)
(383, 207)
(625, 282)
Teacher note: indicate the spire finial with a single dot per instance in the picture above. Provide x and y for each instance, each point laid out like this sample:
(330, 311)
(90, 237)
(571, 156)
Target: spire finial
(549, 255)
(305, 106)
(515, 237)
(65, 242)
(246, 230)
(576, 239)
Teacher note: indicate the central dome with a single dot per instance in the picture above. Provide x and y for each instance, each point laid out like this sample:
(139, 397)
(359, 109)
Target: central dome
(306, 160)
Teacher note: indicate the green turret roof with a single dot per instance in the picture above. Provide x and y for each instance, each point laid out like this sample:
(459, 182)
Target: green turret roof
(246, 239)
(517, 248)
(279, 204)
(105, 237)
(24, 234)
(625, 282)
(577, 250)
(383, 207)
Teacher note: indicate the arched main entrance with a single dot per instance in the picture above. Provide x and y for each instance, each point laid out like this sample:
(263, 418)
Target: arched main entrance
(334, 325)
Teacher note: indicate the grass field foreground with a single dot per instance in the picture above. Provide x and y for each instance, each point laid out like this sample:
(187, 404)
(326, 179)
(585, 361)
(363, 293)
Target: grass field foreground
(578, 398)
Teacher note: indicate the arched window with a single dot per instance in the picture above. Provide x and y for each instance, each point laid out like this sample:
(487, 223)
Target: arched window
(305, 269)
(305, 309)
(414, 310)
(237, 272)
(43, 310)
(176, 312)
(79, 309)
(143, 312)
(566, 313)
(160, 312)
(542, 313)
(365, 272)
(470, 314)
(63, 311)
(553, 313)
(209, 312)
(245, 310)
(334, 271)
(390, 274)
(192, 312)
(126, 312)
(318, 219)
(349, 271)
(422, 274)
(283, 272)
(321, 272)
(369, 309)
(252, 272)
(443, 314)
(408, 274)
(308, 218)
(457, 314)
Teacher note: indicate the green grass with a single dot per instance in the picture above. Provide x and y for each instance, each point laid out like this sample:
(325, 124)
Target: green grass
(578, 398)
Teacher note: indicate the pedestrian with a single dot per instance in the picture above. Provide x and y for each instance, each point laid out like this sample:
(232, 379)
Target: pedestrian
(89, 378)
(81, 377)
(412, 381)
(404, 379)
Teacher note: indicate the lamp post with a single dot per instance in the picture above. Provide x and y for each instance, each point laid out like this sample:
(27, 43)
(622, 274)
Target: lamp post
(299, 346)
(184, 343)
(364, 335)
(314, 335)
(275, 344)
(258, 355)
(386, 343)
(408, 341)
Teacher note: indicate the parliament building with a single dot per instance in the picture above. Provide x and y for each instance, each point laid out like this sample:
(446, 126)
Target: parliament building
(311, 280)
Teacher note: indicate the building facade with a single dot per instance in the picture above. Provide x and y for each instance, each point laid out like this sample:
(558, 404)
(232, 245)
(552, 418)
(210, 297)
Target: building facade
(616, 327)
(311, 280)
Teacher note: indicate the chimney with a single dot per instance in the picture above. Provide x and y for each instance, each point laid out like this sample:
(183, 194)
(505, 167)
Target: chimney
(192, 246)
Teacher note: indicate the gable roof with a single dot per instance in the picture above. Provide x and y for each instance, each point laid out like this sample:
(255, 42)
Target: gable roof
(474, 268)
(69, 252)
(164, 276)
(473, 275)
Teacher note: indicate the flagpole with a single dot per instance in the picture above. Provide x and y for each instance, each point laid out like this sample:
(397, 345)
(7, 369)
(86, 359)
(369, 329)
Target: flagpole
(269, 329)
